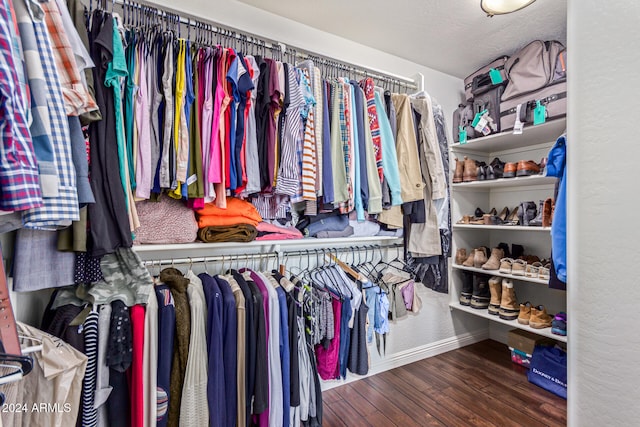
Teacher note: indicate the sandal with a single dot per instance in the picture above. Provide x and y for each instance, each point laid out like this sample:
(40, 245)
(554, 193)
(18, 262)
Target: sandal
(533, 270)
(505, 265)
(518, 267)
(543, 272)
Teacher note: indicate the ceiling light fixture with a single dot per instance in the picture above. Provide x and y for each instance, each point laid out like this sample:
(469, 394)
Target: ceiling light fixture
(501, 7)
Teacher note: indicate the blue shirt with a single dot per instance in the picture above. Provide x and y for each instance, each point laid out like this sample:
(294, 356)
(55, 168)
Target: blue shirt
(389, 155)
(556, 167)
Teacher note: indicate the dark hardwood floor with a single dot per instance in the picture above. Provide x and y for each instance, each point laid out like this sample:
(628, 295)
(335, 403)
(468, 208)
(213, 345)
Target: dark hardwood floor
(476, 385)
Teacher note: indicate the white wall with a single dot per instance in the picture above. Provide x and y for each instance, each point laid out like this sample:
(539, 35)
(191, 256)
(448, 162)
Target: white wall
(603, 233)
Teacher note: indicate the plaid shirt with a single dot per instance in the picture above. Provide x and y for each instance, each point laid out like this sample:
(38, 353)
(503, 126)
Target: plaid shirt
(61, 210)
(77, 99)
(19, 181)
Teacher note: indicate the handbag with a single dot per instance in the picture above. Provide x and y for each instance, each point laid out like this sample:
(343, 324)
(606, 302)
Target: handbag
(548, 370)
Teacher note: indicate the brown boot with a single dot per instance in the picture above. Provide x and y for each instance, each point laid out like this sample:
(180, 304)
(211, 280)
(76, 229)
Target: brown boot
(509, 308)
(461, 256)
(470, 170)
(493, 263)
(458, 174)
(525, 313)
(479, 257)
(546, 213)
(495, 287)
(539, 318)
(470, 258)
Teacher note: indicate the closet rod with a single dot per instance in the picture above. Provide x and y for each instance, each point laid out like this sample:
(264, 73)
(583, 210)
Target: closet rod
(270, 44)
(267, 255)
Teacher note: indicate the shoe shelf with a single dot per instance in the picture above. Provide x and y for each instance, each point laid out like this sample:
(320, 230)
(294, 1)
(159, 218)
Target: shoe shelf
(508, 182)
(497, 273)
(546, 132)
(546, 332)
(500, 227)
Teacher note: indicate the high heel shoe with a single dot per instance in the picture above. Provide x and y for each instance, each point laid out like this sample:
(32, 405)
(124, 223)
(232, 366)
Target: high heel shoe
(514, 217)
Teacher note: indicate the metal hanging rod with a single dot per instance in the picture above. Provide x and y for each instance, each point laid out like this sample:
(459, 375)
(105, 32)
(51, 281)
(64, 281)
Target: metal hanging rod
(236, 35)
(268, 255)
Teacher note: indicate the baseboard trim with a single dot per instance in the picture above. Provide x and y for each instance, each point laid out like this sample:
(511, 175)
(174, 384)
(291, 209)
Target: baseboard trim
(413, 355)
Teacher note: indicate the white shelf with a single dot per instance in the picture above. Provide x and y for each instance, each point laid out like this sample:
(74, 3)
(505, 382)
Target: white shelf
(497, 273)
(257, 246)
(500, 227)
(546, 132)
(546, 332)
(508, 182)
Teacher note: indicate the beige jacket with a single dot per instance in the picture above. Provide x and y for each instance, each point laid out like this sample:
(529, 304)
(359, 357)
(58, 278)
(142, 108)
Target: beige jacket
(407, 150)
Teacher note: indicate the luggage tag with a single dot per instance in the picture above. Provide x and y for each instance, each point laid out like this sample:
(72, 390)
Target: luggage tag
(481, 125)
(477, 118)
(539, 114)
(518, 127)
(462, 134)
(495, 76)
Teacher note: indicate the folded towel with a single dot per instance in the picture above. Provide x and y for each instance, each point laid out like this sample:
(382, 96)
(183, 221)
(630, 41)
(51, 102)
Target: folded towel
(347, 232)
(235, 233)
(237, 212)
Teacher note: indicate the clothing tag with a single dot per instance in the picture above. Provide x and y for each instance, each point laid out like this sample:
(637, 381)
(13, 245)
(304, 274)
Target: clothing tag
(518, 127)
(193, 178)
(462, 134)
(539, 114)
(496, 77)
(482, 123)
(476, 119)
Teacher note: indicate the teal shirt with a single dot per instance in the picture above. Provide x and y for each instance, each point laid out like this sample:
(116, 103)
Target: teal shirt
(389, 155)
(116, 69)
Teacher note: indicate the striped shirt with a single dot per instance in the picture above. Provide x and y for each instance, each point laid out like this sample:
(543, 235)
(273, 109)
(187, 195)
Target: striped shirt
(90, 332)
(19, 181)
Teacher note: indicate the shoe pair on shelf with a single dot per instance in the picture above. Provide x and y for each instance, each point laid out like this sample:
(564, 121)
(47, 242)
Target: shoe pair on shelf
(495, 294)
(469, 170)
(526, 214)
(524, 168)
(480, 258)
(535, 316)
(527, 266)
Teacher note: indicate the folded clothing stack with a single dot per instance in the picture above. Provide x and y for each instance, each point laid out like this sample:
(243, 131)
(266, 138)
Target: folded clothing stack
(165, 221)
(236, 223)
(268, 231)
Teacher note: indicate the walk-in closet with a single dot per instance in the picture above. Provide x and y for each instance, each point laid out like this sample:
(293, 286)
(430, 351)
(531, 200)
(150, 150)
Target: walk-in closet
(278, 213)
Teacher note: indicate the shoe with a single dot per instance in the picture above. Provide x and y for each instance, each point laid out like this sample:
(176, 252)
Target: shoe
(482, 173)
(495, 288)
(489, 172)
(481, 294)
(514, 217)
(539, 318)
(559, 324)
(467, 288)
(525, 313)
(529, 259)
(527, 212)
(510, 170)
(505, 265)
(470, 170)
(505, 248)
(543, 272)
(532, 270)
(480, 257)
(458, 174)
(461, 256)
(504, 213)
(516, 250)
(497, 166)
(543, 166)
(493, 263)
(527, 168)
(466, 219)
(537, 221)
(547, 209)
(470, 258)
(509, 308)
(518, 267)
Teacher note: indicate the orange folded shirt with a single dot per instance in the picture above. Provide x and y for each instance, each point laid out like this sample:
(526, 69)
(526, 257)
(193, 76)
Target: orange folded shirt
(237, 212)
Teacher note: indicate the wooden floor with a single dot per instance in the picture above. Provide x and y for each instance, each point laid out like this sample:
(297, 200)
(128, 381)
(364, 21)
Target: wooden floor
(476, 385)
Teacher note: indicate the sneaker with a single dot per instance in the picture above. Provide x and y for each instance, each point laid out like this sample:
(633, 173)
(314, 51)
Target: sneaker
(559, 324)
(540, 319)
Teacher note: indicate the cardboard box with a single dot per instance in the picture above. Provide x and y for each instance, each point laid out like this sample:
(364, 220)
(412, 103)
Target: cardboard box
(525, 341)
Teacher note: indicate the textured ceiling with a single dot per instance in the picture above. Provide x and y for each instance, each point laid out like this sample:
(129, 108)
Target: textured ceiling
(453, 36)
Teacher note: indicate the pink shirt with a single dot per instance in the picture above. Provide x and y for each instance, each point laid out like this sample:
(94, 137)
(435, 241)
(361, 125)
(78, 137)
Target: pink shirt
(143, 123)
